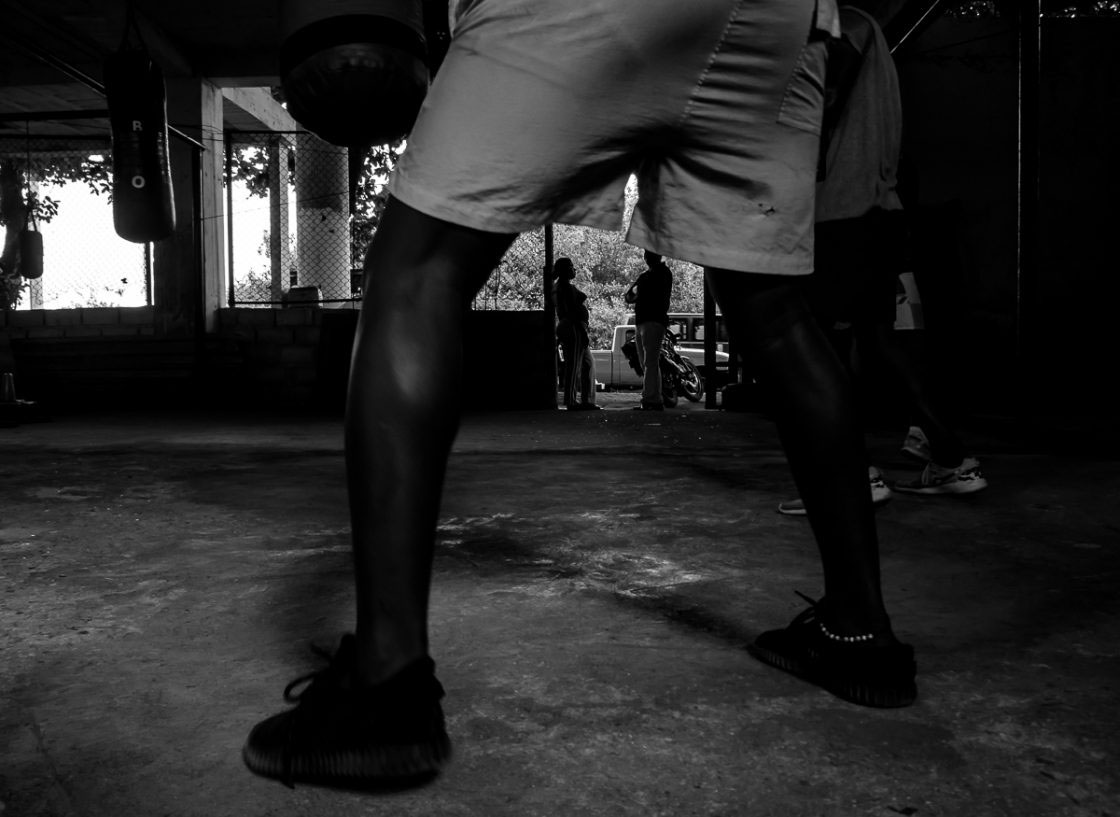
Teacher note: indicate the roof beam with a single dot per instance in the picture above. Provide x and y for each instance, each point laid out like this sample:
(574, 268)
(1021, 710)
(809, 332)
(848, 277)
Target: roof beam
(262, 112)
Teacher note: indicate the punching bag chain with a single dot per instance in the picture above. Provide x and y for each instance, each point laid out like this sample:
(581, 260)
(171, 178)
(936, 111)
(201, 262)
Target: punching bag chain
(31, 199)
(131, 27)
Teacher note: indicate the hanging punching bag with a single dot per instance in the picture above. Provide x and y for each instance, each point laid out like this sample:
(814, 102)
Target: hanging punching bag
(30, 264)
(353, 71)
(143, 198)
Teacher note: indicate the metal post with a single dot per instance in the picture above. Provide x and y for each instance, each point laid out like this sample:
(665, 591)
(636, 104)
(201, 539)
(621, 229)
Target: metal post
(230, 147)
(148, 272)
(549, 249)
(1026, 285)
(910, 20)
(549, 305)
(711, 338)
(199, 259)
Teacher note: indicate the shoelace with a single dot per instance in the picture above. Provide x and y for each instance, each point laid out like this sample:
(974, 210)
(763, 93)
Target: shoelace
(811, 615)
(293, 697)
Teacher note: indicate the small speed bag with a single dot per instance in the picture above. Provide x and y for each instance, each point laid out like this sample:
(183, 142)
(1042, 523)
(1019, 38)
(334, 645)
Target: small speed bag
(353, 71)
(143, 198)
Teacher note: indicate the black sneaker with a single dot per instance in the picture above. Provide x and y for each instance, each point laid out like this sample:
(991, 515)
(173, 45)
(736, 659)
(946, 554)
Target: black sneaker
(389, 735)
(867, 670)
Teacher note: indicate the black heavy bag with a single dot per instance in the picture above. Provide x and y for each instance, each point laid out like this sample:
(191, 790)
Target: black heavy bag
(143, 198)
(353, 72)
(30, 264)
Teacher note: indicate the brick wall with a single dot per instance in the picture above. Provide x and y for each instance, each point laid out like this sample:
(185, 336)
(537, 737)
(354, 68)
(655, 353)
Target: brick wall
(273, 356)
(90, 322)
(80, 358)
(284, 359)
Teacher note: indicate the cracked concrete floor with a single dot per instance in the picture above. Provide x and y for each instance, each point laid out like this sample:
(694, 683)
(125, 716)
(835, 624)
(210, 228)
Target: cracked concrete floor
(597, 578)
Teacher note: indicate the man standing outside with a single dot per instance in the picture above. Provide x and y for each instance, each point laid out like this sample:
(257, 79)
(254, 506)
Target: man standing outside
(650, 296)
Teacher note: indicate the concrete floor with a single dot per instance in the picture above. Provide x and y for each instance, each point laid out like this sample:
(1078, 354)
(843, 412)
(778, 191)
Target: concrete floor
(597, 578)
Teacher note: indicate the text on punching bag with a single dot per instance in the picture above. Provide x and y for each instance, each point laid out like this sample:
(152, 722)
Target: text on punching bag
(138, 181)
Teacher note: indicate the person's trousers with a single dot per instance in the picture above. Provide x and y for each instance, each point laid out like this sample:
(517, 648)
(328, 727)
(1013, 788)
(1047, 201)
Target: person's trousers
(650, 334)
(578, 372)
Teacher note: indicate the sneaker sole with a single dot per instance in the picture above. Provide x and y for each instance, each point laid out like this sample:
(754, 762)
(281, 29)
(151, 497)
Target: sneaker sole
(956, 487)
(389, 765)
(853, 691)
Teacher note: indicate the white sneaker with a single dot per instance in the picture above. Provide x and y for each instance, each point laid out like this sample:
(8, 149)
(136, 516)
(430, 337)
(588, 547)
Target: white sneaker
(966, 478)
(880, 493)
(916, 444)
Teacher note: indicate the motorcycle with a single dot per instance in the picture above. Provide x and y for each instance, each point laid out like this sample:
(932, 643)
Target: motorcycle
(679, 375)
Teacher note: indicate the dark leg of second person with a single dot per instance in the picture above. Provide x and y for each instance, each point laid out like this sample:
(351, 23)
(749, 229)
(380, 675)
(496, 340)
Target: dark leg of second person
(402, 415)
(911, 373)
(814, 408)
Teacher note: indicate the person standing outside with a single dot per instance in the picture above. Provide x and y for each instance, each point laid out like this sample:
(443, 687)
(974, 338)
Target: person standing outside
(577, 374)
(650, 296)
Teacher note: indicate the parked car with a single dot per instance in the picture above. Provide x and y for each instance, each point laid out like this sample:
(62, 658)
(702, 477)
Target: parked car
(613, 369)
(690, 330)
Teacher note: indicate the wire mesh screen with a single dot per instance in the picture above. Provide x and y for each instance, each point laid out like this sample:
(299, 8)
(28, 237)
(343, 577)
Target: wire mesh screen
(61, 186)
(291, 233)
(605, 267)
(518, 281)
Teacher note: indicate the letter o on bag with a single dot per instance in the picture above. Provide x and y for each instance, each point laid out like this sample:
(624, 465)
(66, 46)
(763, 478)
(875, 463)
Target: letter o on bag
(353, 71)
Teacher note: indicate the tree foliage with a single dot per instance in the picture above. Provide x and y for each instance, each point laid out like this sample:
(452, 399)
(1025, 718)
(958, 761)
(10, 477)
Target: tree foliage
(985, 9)
(371, 193)
(605, 267)
(369, 171)
(22, 172)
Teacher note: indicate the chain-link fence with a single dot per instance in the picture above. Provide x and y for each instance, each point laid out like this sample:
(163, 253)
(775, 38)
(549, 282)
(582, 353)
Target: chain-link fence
(61, 186)
(518, 281)
(292, 233)
(301, 212)
(605, 267)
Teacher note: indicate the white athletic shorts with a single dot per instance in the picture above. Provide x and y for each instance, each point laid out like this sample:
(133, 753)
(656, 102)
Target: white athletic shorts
(543, 109)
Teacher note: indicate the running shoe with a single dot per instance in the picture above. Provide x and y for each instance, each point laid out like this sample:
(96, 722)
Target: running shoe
(916, 444)
(966, 478)
(875, 670)
(391, 734)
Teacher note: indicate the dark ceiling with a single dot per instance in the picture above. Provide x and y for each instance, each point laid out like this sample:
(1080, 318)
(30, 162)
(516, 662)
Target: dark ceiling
(52, 51)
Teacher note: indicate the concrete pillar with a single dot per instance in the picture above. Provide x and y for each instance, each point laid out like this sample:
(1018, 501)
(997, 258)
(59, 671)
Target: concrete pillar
(322, 216)
(279, 250)
(189, 283)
